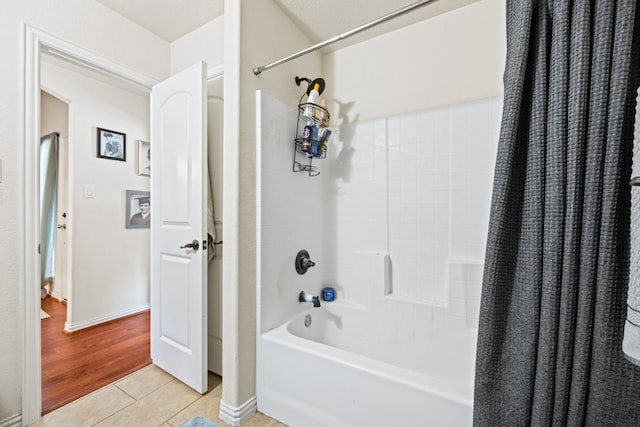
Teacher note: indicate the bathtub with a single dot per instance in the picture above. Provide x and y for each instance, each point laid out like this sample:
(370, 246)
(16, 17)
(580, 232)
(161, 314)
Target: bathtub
(325, 375)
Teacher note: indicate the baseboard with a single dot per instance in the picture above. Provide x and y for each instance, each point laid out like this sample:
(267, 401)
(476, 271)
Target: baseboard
(73, 327)
(237, 416)
(13, 421)
(58, 297)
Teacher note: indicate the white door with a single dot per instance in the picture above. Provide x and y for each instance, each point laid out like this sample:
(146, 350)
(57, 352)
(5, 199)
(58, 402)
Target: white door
(178, 218)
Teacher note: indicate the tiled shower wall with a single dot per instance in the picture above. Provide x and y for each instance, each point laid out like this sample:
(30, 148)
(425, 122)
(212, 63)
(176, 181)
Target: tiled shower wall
(416, 187)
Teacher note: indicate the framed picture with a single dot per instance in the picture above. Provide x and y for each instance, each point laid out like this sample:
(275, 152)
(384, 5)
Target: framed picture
(144, 158)
(112, 145)
(138, 213)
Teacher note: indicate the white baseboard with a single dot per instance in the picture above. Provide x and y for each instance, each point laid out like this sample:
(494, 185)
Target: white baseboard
(13, 421)
(72, 327)
(237, 416)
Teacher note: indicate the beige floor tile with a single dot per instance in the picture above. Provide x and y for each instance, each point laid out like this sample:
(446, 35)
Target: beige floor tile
(261, 420)
(148, 397)
(144, 381)
(89, 410)
(207, 406)
(155, 408)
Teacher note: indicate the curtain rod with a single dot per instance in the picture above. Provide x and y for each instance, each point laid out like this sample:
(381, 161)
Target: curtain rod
(402, 11)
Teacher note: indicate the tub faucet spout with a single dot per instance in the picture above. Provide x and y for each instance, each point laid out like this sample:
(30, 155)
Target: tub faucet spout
(305, 297)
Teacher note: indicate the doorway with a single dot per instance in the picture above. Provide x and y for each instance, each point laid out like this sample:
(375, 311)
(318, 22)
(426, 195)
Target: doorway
(109, 265)
(37, 44)
(54, 119)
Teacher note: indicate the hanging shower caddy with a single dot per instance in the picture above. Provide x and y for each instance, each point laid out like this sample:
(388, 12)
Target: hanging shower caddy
(312, 129)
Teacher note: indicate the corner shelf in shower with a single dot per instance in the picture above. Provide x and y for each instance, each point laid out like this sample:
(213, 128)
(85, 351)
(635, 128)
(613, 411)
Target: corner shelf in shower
(302, 158)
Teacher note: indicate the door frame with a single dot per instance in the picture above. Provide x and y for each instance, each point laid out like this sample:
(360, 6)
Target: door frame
(34, 43)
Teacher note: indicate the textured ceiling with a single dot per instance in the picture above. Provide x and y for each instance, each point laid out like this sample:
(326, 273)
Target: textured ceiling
(169, 19)
(318, 19)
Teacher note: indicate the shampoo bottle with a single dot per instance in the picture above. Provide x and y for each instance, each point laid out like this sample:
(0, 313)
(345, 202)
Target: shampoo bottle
(313, 98)
(314, 151)
(307, 137)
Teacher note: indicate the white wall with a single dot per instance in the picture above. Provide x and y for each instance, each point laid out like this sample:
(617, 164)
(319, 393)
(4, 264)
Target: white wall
(203, 44)
(256, 33)
(109, 261)
(90, 25)
(54, 115)
(448, 59)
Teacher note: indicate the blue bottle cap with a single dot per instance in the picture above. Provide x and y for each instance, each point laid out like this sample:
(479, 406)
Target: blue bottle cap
(328, 294)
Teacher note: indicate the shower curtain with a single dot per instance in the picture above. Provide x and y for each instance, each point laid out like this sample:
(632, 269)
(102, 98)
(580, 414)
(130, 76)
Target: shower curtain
(556, 271)
(48, 206)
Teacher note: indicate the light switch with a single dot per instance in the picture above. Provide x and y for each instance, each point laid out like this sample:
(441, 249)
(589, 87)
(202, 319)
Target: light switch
(89, 191)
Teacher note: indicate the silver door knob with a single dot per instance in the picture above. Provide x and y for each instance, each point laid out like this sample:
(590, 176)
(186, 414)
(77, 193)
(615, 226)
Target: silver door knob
(62, 226)
(195, 245)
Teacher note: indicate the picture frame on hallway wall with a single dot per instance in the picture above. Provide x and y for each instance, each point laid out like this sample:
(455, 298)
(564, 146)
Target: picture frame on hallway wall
(138, 211)
(111, 145)
(144, 158)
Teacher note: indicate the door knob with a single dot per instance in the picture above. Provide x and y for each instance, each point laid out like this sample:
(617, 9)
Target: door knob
(195, 245)
(62, 226)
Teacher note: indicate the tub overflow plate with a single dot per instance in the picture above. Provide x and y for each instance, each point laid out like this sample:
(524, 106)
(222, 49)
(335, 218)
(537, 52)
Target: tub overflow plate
(307, 320)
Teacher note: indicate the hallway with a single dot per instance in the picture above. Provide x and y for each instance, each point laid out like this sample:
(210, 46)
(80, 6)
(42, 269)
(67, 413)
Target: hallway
(77, 364)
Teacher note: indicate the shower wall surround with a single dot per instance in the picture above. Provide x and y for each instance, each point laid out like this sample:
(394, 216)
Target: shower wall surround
(417, 186)
(407, 196)
(289, 215)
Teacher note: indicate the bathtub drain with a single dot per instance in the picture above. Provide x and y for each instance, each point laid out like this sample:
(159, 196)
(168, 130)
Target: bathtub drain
(307, 320)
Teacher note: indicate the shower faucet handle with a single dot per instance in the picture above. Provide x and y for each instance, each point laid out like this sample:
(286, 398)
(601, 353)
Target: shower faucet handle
(303, 261)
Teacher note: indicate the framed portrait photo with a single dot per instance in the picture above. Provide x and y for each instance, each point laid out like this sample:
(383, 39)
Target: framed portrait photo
(112, 145)
(138, 214)
(144, 158)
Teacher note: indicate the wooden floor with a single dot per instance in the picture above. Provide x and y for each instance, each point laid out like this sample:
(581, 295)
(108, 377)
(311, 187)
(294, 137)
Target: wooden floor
(76, 364)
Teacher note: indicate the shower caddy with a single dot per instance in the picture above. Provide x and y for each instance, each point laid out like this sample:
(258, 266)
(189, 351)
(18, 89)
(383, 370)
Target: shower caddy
(318, 116)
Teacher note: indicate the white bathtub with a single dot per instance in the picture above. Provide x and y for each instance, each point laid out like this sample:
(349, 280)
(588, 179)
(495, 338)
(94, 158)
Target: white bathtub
(315, 377)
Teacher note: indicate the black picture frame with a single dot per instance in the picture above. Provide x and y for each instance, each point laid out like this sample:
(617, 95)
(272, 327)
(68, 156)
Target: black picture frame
(111, 144)
(134, 213)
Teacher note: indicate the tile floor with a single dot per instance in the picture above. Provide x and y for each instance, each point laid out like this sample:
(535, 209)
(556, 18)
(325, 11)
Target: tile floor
(148, 397)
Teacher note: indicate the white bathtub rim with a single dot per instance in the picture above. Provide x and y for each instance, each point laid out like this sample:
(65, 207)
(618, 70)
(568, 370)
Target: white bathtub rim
(282, 336)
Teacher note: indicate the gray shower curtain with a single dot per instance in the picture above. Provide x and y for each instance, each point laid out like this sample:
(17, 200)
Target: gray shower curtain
(557, 264)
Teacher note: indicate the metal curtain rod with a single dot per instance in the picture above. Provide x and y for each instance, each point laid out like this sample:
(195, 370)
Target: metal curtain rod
(402, 11)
